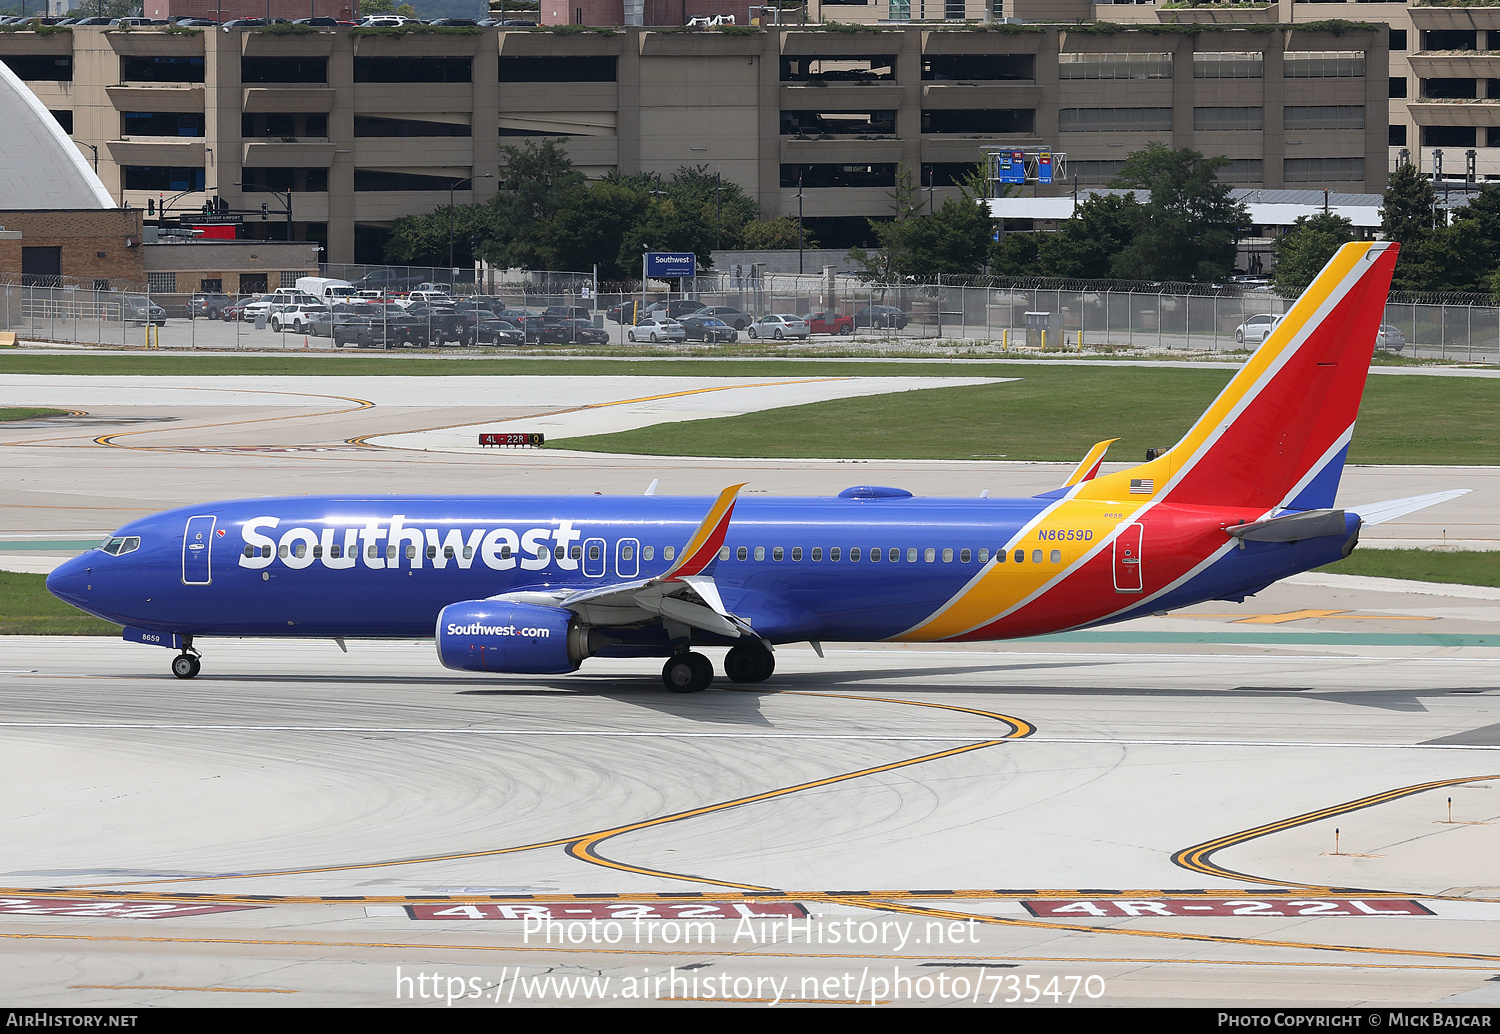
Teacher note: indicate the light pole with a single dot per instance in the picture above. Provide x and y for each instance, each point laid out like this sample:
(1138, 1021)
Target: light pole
(451, 188)
(280, 194)
(799, 222)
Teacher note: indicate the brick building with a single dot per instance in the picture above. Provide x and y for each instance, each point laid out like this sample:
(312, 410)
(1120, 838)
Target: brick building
(85, 244)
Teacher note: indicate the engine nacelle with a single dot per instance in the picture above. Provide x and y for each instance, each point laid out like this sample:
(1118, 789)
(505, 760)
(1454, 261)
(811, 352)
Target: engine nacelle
(516, 638)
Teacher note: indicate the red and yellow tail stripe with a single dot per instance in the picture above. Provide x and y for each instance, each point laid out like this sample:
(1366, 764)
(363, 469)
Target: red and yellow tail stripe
(703, 547)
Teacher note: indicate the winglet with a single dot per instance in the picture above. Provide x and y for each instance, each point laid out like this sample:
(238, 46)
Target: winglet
(1089, 465)
(703, 548)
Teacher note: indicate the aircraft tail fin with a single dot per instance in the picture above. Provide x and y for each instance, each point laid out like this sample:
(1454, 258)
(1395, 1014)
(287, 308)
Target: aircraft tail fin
(1278, 433)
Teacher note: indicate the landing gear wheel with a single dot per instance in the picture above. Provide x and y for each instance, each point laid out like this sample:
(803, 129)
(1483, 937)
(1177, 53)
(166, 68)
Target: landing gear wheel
(185, 666)
(687, 673)
(747, 663)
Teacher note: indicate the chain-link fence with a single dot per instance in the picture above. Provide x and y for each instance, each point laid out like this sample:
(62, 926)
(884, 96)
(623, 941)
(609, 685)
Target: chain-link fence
(983, 314)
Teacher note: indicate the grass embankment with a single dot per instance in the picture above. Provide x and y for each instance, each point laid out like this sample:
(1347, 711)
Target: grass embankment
(29, 414)
(1422, 565)
(27, 608)
(1056, 413)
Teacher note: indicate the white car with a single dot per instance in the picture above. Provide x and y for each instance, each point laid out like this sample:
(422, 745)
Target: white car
(659, 329)
(297, 318)
(779, 327)
(1256, 329)
(1390, 337)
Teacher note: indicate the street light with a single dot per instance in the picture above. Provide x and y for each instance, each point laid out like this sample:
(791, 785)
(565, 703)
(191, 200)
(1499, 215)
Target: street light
(280, 194)
(799, 222)
(451, 188)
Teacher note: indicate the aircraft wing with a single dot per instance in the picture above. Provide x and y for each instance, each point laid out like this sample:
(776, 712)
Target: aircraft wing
(685, 593)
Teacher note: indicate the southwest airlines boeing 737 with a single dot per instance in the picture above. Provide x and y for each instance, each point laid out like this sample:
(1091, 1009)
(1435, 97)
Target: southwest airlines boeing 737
(535, 585)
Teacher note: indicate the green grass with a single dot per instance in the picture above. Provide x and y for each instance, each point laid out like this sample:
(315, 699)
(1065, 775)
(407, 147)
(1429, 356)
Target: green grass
(29, 414)
(1422, 565)
(1056, 413)
(27, 608)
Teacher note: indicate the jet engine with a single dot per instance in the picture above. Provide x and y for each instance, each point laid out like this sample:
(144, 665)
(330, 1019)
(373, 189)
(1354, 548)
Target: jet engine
(517, 638)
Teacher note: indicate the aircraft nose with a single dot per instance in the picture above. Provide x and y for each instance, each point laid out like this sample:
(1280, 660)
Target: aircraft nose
(70, 582)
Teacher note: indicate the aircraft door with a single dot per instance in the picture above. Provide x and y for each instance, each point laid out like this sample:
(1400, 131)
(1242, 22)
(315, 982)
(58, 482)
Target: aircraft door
(197, 545)
(627, 554)
(593, 558)
(1128, 560)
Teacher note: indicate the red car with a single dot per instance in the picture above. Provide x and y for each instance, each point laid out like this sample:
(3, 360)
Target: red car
(829, 323)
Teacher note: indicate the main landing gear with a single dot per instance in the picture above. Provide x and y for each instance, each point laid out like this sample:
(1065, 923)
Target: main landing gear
(186, 664)
(749, 662)
(687, 672)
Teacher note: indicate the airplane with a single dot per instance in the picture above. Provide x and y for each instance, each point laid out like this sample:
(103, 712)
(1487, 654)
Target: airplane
(536, 585)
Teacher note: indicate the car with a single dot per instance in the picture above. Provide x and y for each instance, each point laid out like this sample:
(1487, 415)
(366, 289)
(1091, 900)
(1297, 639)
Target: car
(887, 316)
(1256, 329)
(208, 303)
(622, 313)
(736, 318)
(779, 327)
(675, 309)
(295, 317)
(659, 329)
(568, 312)
(499, 332)
(573, 332)
(829, 323)
(711, 329)
(136, 308)
(1390, 337)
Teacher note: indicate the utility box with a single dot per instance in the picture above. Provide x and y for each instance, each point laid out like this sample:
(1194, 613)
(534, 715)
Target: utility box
(1043, 330)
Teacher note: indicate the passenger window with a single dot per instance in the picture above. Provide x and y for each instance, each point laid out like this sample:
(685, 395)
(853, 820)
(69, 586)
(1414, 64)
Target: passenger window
(723, 553)
(390, 552)
(833, 554)
(283, 551)
(929, 555)
(559, 552)
(895, 555)
(743, 553)
(249, 552)
(468, 552)
(778, 553)
(317, 552)
(817, 553)
(649, 553)
(1036, 556)
(627, 552)
(854, 554)
(431, 552)
(336, 551)
(1057, 556)
(911, 555)
(577, 552)
(760, 552)
(668, 553)
(504, 552)
(1020, 556)
(875, 555)
(448, 552)
(593, 552)
(984, 556)
(796, 553)
(265, 552)
(965, 556)
(948, 556)
(411, 551)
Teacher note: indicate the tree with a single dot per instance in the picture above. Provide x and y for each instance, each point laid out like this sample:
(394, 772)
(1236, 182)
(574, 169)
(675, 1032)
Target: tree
(775, 234)
(721, 203)
(954, 239)
(1191, 228)
(1406, 216)
(1085, 247)
(591, 228)
(534, 180)
(667, 226)
(1306, 248)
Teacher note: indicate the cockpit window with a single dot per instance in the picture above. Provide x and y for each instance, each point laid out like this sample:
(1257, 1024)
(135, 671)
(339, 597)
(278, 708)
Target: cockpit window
(121, 544)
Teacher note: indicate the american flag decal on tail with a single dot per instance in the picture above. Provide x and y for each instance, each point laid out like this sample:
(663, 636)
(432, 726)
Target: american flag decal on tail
(1142, 486)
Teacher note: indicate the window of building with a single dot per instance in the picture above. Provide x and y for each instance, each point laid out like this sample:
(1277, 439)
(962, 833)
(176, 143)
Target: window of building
(253, 283)
(1114, 120)
(258, 180)
(1229, 65)
(161, 177)
(900, 11)
(1095, 171)
(1323, 64)
(382, 179)
(63, 119)
(947, 174)
(1226, 120)
(557, 69)
(214, 285)
(1491, 136)
(161, 123)
(1114, 66)
(1450, 89)
(979, 67)
(161, 69)
(1449, 136)
(1398, 86)
(1398, 39)
(834, 68)
(1450, 39)
(414, 69)
(41, 265)
(37, 68)
(1240, 170)
(1323, 170)
(282, 125)
(987, 121)
(283, 70)
(1396, 135)
(881, 175)
(838, 123)
(161, 283)
(1323, 116)
(378, 126)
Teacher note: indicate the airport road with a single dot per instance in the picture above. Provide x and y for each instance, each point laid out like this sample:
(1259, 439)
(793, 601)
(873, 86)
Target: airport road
(1146, 813)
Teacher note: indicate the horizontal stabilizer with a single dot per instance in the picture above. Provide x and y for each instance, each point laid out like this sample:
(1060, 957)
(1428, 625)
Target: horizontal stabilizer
(1390, 509)
(1292, 527)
